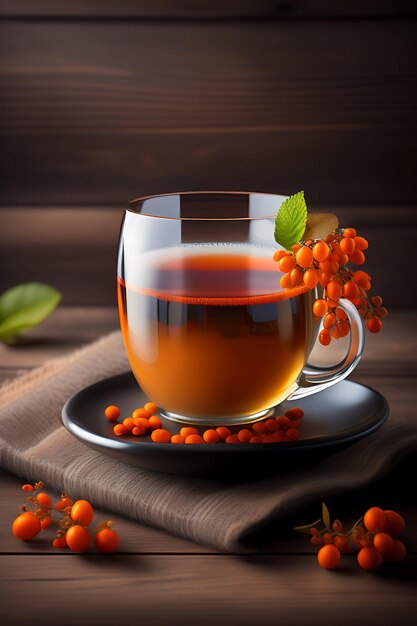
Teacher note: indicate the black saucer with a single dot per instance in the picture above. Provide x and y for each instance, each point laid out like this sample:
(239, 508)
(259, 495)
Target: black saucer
(334, 418)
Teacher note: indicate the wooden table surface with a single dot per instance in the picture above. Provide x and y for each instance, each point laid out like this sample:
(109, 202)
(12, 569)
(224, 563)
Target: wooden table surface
(160, 579)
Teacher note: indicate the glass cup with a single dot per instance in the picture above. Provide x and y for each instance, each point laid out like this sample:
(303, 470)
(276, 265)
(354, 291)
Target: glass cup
(210, 335)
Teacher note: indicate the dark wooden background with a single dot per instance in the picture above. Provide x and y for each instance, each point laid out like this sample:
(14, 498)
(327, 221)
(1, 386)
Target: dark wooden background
(102, 101)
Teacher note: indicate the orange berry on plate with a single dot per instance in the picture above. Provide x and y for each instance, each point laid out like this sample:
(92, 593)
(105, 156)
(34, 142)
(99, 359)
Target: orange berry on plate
(160, 435)
(394, 523)
(224, 432)
(27, 488)
(268, 438)
(141, 413)
(295, 413)
(120, 429)
(106, 540)
(211, 436)
(245, 435)
(151, 407)
(194, 439)
(137, 431)
(142, 423)
(26, 526)
(383, 542)
(44, 500)
(129, 423)
(293, 434)
(349, 232)
(232, 439)
(272, 425)
(320, 307)
(321, 251)
(374, 324)
(78, 538)
(259, 428)
(188, 430)
(82, 512)
(154, 422)
(374, 519)
(369, 558)
(256, 439)
(304, 257)
(177, 439)
(328, 556)
(397, 553)
(112, 412)
(295, 423)
(284, 421)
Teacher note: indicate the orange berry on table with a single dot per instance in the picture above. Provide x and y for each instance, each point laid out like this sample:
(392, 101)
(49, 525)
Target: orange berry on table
(295, 413)
(177, 439)
(357, 257)
(397, 553)
(129, 423)
(142, 422)
(27, 488)
(394, 523)
(160, 435)
(211, 436)
(320, 307)
(284, 421)
(374, 324)
(374, 519)
(106, 540)
(60, 542)
(304, 257)
(328, 557)
(349, 232)
(224, 432)
(245, 435)
(321, 251)
(256, 439)
(154, 422)
(286, 264)
(63, 503)
(82, 512)
(285, 281)
(297, 277)
(26, 526)
(350, 290)
(334, 290)
(120, 429)
(383, 542)
(194, 439)
(232, 439)
(78, 538)
(188, 430)
(151, 407)
(259, 427)
(347, 245)
(310, 278)
(46, 522)
(325, 337)
(112, 412)
(272, 425)
(292, 434)
(44, 500)
(360, 243)
(369, 558)
(141, 413)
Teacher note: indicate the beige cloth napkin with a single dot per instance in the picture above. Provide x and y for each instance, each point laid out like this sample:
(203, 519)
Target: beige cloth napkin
(34, 445)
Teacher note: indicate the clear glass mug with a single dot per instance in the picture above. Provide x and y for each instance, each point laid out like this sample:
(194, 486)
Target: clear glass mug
(210, 335)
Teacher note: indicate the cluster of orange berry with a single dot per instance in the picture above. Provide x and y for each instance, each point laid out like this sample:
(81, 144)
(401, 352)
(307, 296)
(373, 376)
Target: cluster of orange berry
(72, 518)
(281, 428)
(372, 537)
(324, 262)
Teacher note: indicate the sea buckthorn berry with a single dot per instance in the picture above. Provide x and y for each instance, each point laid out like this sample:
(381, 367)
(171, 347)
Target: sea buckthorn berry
(310, 278)
(60, 542)
(129, 423)
(357, 257)
(350, 290)
(295, 413)
(297, 277)
(362, 279)
(78, 538)
(194, 439)
(272, 425)
(224, 432)
(112, 412)
(188, 430)
(286, 264)
(137, 431)
(295, 423)
(328, 556)
(394, 523)
(245, 435)
(327, 538)
(361, 243)
(335, 333)
(347, 245)
(397, 553)
(26, 526)
(325, 337)
(376, 300)
(383, 542)
(106, 540)
(292, 434)
(142, 422)
(329, 320)
(325, 279)
(304, 257)
(151, 407)
(374, 324)
(27, 488)
(334, 290)
(232, 439)
(315, 532)
(120, 429)
(82, 512)
(343, 328)
(320, 308)
(44, 500)
(160, 435)
(279, 435)
(369, 558)
(268, 438)
(279, 254)
(154, 422)
(46, 522)
(285, 281)
(374, 519)
(382, 311)
(349, 232)
(296, 247)
(329, 267)
(211, 436)
(141, 413)
(63, 503)
(340, 314)
(259, 427)
(341, 544)
(177, 439)
(316, 541)
(256, 439)
(321, 251)
(284, 421)
(337, 526)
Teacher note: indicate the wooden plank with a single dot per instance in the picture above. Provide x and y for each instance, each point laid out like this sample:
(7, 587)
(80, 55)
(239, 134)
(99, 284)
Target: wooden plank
(208, 589)
(75, 249)
(215, 9)
(97, 113)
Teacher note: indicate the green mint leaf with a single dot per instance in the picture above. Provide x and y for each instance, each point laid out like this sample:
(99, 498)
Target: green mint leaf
(290, 222)
(24, 306)
(326, 516)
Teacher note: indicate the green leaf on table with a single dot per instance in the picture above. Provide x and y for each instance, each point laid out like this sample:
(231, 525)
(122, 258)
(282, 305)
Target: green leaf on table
(326, 516)
(25, 306)
(291, 219)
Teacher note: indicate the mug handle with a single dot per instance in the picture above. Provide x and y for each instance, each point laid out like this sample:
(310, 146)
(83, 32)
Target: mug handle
(313, 379)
